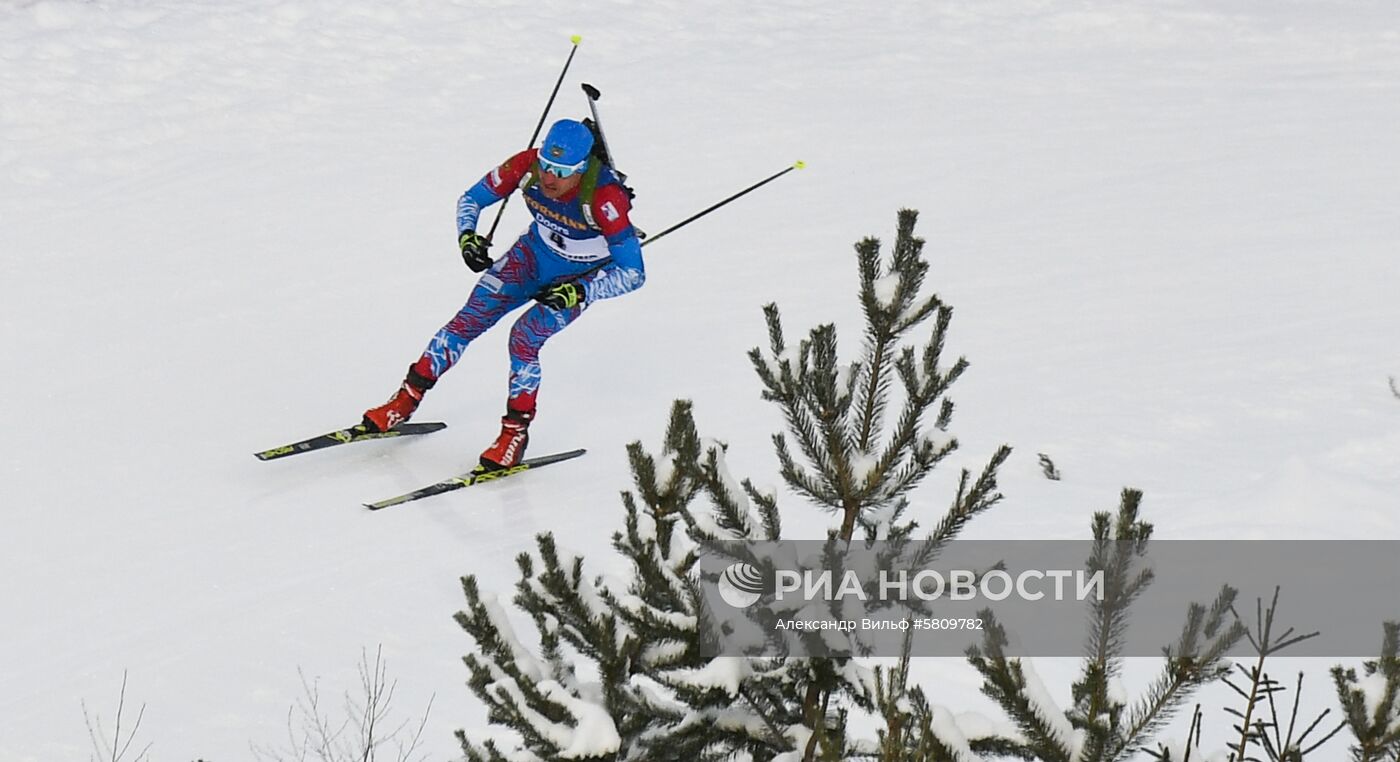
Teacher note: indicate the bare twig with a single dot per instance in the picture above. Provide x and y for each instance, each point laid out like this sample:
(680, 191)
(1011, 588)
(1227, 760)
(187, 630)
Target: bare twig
(312, 735)
(1282, 746)
(406, 752)
(1266, 643)
(117, 750)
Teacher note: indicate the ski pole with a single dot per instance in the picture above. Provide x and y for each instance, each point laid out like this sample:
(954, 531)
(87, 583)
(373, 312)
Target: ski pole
(697, 215)
(576, 39)
(702, 213)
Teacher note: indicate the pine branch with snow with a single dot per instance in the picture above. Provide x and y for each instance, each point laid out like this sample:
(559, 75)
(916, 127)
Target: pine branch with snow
(541, 699)
(1045, 731)
(1371, 701)
(701, 707)
(915, 730)
(728, 705)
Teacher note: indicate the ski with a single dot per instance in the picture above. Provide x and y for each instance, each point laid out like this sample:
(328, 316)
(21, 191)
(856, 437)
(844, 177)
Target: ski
(356, 433)
(477, 475)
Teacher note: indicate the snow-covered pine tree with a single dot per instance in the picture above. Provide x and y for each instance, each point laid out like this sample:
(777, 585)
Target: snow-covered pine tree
(646, 693)
(1102, 725)
(858, 462)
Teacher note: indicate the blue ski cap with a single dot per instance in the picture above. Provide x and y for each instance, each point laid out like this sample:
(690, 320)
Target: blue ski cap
(566, 148)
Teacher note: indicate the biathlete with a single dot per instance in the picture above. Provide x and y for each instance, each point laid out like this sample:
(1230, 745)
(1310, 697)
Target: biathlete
(580, 248)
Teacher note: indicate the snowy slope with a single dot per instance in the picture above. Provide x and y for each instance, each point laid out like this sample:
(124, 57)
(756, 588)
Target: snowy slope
(1168, 230)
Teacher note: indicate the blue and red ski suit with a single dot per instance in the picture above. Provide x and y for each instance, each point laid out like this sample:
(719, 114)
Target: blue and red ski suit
(560, 245)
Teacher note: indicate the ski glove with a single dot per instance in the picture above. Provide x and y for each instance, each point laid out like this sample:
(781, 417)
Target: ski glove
(563, 296)
(474, 248)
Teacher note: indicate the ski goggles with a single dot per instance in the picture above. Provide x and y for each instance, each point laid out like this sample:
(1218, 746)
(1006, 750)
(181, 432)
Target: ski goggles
(562, 170)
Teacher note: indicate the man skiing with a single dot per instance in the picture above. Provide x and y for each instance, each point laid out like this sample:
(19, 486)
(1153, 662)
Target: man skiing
(580, 248)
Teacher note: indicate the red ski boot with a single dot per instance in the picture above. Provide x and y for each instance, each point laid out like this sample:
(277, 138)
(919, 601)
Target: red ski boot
(509, 448)
(400, 407)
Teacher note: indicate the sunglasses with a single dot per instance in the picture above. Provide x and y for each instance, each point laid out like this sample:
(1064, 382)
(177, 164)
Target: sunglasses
(562, 170)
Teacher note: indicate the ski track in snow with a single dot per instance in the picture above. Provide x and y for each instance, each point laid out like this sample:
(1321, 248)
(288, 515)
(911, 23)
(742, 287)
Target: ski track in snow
(1168, 230)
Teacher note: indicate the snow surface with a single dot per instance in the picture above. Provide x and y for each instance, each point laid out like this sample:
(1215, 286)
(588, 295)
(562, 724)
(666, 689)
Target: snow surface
(1168, 229)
